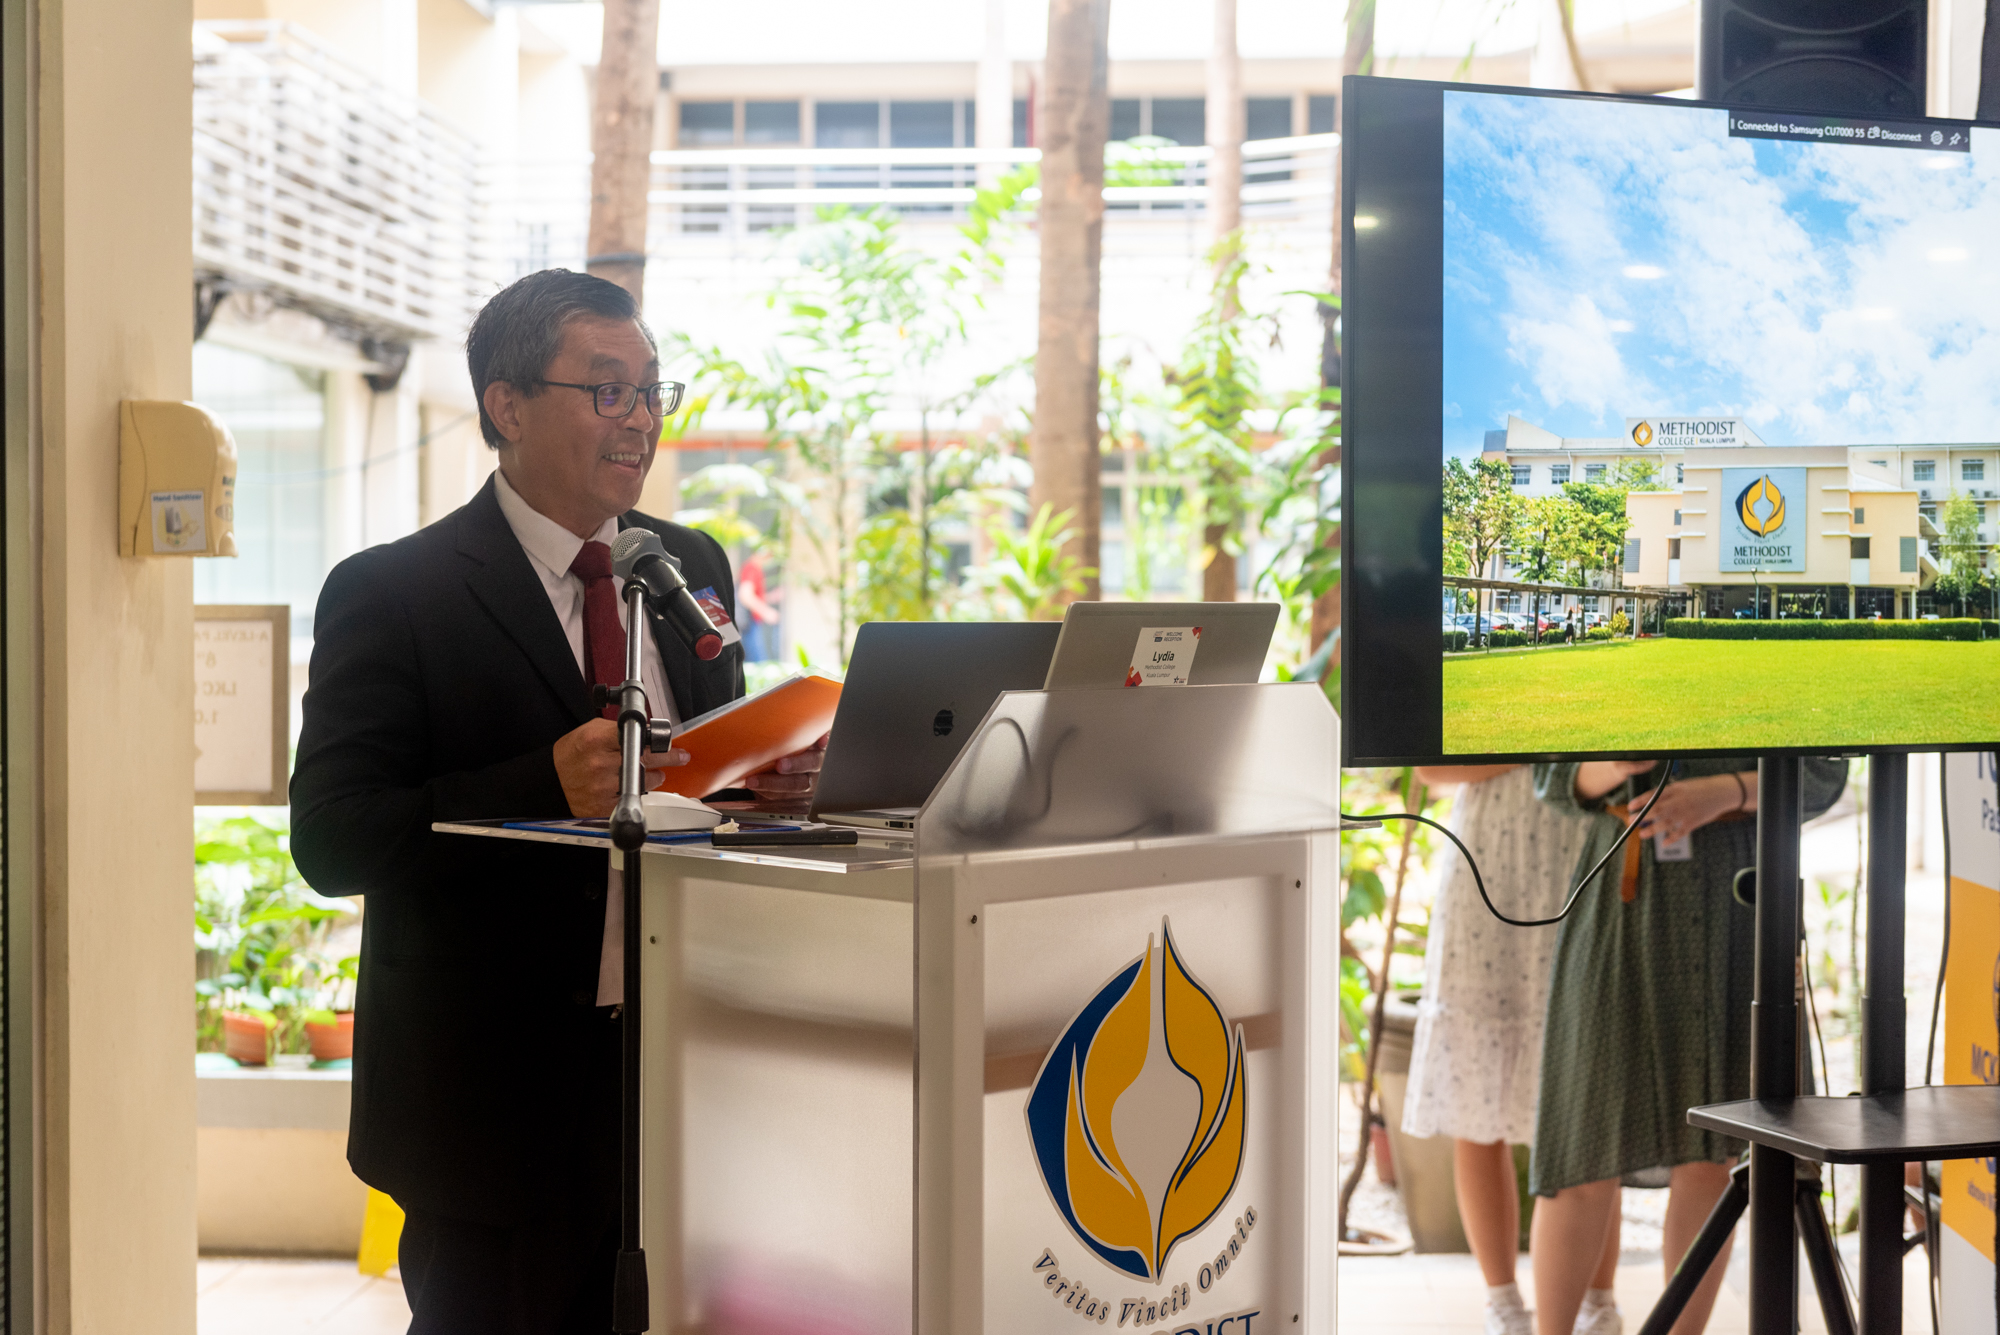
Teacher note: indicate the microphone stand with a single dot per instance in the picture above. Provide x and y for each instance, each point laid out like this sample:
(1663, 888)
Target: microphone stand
(629, 1300)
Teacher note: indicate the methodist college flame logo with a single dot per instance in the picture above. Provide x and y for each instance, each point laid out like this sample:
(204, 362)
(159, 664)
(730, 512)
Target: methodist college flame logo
(1137, 1117)
(1761, 507)
(1642, 434)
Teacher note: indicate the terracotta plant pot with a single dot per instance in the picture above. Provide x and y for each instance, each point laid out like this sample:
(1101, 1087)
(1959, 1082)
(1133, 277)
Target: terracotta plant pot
(246, 1037)
(1385, 1161)
(331, 1042)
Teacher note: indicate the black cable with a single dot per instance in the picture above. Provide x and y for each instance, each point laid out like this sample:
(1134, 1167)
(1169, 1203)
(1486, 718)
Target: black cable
(1944, 951)
(1480, 881)
(1826, 1087)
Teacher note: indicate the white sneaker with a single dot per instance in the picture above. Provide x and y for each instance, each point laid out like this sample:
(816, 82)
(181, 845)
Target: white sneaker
(1509, 1321)
(1600, 1321)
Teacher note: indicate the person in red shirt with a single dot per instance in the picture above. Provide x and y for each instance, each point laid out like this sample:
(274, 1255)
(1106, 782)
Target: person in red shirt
(760, 635)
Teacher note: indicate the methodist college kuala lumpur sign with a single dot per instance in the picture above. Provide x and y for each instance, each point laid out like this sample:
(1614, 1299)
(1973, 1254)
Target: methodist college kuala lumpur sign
(1764, 519)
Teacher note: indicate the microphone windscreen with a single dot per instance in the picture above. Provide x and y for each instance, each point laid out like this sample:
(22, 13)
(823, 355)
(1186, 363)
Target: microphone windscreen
(630, 545)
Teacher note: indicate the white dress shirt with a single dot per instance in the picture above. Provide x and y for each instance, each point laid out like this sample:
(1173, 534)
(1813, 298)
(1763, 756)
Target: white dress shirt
(551, 548)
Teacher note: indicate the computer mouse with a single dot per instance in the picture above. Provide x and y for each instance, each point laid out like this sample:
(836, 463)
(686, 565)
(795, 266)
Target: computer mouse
(670, 811)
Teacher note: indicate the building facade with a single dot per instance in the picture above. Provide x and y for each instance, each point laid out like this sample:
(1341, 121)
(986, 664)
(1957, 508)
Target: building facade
(1739, 527)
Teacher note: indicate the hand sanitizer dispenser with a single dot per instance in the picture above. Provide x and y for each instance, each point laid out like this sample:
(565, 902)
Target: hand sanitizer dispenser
(176, 481)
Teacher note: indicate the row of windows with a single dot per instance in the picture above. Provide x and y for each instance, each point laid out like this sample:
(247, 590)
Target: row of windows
(1929, 510)
(949, 123)
(1969, 470)
(1924, 470)
(1524, 474)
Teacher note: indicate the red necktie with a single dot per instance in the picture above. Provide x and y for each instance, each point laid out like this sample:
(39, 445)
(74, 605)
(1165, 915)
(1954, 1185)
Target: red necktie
(603, 636)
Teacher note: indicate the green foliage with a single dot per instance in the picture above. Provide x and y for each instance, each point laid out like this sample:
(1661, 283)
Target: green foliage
(1032, 577)
(1455, 640)
(739, 505)
(871, 323)
(1139, 423)
(1141, 161)
(1354, 999)
(1732, 628)
(261, 935)
(1298, 480)
(1962, 576)
(1598, 633)
(1545, 541)
(1369, 865)
(1482, 512)
(1620, 624)
(1216, 384)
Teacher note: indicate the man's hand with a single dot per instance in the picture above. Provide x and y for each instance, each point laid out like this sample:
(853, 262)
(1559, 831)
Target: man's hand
(789, 776)
(587, 763)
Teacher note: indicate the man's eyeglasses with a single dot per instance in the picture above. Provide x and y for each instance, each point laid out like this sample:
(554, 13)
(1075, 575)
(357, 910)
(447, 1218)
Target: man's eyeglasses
(616, 398)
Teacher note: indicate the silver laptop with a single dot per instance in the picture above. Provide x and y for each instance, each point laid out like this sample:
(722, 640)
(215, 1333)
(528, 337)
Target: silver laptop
(915, 691)
(1163, 644)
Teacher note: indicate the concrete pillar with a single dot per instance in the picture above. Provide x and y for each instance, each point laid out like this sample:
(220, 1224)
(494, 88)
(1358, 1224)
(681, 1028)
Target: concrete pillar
(101, 666)
(994, 127)
(1549, 63)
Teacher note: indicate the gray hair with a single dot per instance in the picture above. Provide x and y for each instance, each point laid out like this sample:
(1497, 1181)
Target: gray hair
(519, 331)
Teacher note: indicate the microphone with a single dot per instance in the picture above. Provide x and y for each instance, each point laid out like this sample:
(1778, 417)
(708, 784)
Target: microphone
(636, 554)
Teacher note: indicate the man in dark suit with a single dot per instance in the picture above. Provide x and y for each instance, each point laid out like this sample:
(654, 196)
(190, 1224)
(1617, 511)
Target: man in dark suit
(451, 679)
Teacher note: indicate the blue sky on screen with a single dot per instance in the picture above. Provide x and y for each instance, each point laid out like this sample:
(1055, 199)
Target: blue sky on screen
(1607, 260)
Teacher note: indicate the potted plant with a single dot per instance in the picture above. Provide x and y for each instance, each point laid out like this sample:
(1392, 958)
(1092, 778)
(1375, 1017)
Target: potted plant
(246, 1036)
(262, 957)
(330, 1034)
(330, 1025)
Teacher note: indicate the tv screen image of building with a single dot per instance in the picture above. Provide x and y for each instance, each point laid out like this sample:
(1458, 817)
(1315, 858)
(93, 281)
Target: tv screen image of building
(1668, 427)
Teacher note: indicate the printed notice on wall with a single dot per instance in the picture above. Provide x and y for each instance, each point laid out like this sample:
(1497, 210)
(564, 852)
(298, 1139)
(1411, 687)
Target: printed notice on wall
(1164, 656)
(236, 687)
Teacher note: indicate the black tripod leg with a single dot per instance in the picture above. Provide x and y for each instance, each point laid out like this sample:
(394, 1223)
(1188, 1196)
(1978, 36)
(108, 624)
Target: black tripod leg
(1774, 1068)
(630, 1302)
(1884, 1025)
(1701, 1254)
(1818, 1240)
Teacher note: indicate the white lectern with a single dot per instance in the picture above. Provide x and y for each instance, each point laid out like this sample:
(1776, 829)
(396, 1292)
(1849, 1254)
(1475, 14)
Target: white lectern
(1067, 1062)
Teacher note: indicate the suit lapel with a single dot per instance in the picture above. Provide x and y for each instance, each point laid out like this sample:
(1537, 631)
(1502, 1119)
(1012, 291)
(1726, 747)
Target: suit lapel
(507, 585)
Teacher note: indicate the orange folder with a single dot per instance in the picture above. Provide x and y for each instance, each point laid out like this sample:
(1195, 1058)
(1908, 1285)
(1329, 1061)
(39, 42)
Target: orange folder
(746, 735)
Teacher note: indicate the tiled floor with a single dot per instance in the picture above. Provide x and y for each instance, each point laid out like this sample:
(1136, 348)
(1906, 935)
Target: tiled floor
(1388, 1295)
(1444, 1295)
(258, 1296)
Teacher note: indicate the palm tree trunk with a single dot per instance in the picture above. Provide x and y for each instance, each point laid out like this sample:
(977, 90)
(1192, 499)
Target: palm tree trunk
(1225, 221)
(621, 142)
(1074, 119)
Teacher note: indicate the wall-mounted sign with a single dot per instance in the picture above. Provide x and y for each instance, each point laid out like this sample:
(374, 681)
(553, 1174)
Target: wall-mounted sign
(1764, 519)
(242, 705)
(1679, 433)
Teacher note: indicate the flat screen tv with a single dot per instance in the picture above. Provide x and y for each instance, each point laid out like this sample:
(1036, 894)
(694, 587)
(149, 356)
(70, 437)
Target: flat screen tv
(1669, 428)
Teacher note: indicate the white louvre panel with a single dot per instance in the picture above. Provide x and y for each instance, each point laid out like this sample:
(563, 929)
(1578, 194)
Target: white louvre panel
(316, 183)
(732, 191)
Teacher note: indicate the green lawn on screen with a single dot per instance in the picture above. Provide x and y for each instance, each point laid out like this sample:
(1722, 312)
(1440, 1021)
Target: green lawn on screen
(1736, 695)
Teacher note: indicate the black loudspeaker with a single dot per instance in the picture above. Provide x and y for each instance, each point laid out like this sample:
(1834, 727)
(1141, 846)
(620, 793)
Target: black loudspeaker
(1838, 57)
